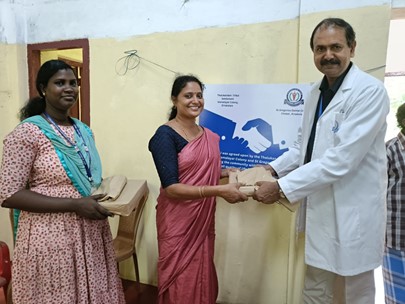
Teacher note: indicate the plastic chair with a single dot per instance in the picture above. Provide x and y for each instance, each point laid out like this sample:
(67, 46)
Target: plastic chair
(13, 231)
(125, 241)
(5, 296)
(5, 270)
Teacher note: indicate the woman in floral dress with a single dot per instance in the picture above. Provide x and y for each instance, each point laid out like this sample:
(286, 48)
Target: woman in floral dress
(63, 252)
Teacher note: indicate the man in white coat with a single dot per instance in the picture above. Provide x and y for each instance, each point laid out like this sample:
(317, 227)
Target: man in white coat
(337, 167)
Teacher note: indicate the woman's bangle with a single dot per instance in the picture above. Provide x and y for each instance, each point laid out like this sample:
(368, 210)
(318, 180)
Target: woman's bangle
(201, 191)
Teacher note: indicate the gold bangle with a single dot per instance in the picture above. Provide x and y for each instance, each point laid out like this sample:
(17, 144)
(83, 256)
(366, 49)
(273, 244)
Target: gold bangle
(202, 191)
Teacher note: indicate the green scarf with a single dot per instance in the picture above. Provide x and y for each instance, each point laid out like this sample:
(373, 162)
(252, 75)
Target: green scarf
(71, 161)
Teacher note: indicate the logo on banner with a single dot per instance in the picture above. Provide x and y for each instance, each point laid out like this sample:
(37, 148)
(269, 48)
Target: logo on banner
(294, 97)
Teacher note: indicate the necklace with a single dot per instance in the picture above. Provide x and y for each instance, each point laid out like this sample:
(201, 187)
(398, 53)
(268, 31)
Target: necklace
(182, 129)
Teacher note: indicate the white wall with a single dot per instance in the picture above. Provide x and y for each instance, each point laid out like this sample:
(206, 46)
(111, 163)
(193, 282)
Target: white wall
(37, 21)
(398, 3)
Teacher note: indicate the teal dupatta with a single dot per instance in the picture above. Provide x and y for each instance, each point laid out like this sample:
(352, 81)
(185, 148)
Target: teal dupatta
(69, 157)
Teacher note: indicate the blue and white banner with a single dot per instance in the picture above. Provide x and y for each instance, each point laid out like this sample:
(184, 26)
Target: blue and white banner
(256, 122)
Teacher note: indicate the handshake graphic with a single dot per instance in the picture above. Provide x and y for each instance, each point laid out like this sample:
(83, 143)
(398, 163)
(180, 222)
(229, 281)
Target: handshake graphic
(254, 136)
(257, 133)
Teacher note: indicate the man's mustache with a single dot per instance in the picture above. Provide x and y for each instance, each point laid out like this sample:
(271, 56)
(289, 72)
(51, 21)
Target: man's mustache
(330, 61)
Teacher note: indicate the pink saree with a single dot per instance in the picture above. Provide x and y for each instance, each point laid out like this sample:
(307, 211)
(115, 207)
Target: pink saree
(186, 229)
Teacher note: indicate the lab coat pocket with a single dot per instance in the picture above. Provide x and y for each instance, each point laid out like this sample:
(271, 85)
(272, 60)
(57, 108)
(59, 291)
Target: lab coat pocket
(348, 224)
(347, 213)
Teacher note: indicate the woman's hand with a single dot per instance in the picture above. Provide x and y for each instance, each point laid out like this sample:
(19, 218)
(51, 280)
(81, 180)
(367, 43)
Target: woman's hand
(88, 207)
(232, 194)
(31, 201)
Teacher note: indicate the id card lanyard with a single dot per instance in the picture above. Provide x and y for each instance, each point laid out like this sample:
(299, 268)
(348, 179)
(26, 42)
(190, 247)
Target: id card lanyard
(320, 110)
(74, 145)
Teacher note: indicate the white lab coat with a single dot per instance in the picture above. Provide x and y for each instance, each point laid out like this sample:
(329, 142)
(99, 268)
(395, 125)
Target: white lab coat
(345, 183)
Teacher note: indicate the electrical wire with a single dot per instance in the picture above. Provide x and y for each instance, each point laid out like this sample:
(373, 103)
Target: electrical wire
(131, 61)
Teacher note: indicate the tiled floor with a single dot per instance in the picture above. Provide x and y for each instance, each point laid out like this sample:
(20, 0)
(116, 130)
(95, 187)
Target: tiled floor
(142, 294)
(147, 294)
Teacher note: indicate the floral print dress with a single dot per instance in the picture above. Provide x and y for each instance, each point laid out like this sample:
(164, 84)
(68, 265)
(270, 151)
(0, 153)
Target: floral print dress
(58, 257)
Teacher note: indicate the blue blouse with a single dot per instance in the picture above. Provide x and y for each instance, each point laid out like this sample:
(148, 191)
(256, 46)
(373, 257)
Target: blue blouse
(164, 146)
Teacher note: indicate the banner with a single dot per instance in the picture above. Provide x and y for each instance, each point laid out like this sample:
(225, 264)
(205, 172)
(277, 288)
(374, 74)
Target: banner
(256, 123)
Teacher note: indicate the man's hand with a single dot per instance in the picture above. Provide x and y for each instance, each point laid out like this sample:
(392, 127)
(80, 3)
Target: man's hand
(268, 192)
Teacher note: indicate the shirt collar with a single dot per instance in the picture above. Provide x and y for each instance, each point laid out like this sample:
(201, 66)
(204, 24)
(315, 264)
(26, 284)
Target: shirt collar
(336, 85)
(401, 139)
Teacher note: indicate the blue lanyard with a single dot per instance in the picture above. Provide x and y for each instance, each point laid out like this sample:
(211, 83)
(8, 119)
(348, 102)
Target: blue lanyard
(86, 166)
(320, 110)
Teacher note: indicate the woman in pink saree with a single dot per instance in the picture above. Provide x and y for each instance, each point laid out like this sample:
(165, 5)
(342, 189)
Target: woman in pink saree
(188, 162)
